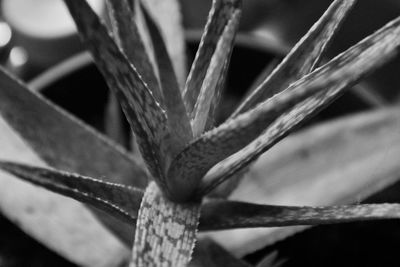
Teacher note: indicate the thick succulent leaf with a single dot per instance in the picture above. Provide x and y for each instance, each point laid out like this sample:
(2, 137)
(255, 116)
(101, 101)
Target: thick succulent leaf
(337, 75)
(209, 254)
(61, 224)
(217, 68)
(218, 144)
(165, 231)
(126, 34)
(220, 15)
(114, 126)
(177, 117)
(222, 215)
(148, 120)
(120, 201)
(52, 132)
(168, 16)
(334, 163)
(303, 58)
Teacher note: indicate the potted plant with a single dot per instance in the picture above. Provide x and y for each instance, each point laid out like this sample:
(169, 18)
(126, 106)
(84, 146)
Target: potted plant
(187, 157)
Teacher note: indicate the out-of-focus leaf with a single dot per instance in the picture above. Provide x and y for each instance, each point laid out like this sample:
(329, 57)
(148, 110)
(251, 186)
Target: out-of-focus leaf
(338, 74)
(216, 68)
(59, 223)
(125, 32)
(303, 58)
(338, 162)
(61, 140)
(167, 14)
(221, 13)
(120, 201)
(148, 120)
(113, 121)
(225, 214)
(177, 117)
(165, 231)
(209, 254)
(270, 260)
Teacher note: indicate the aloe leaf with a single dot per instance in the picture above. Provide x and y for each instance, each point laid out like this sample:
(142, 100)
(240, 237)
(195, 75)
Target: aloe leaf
(176, 111)
(52, 132)
(126, 33)
(335, 76)
(220, 15)
(211, 87)
(212, 147)
(168, 16)
(61, 224)
(303, 58)
(117, 204)
(114, 121)
(165, 231)
(207, 253)
(119, 200)
(334, 163)
(224, 215)
(148, 120)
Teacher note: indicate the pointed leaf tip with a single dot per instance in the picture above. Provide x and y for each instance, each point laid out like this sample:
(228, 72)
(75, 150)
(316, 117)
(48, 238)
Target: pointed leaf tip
(222, 215)
(147, 119)
(334, 77)
(220, 15)
(120, 201)
(304, 56)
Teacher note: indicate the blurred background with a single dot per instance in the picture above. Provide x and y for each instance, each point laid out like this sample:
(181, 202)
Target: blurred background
(37, 34)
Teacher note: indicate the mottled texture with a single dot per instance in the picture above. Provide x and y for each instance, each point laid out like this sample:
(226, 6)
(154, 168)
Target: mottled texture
(178, 121)
(220, 14)
(120, 201)
(303, 58)
(182, 182)
(146, 117)
(221, 142)
(230, 214)
(125, 32)
(210, 88)
(165, 231)
(338, 74)
(337, 162)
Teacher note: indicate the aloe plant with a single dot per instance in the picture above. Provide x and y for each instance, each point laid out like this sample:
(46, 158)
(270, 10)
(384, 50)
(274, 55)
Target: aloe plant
(158, 207)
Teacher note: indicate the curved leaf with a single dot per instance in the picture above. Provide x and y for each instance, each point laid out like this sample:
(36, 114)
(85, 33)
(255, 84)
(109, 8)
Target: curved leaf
(303, 58)
(148, 120)
(173, 102)
(219, 16)
(120, 201)
(52, 132)
(334, 163)
(211, 87)
(222, 215)
(125, 32)
(338, 74)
